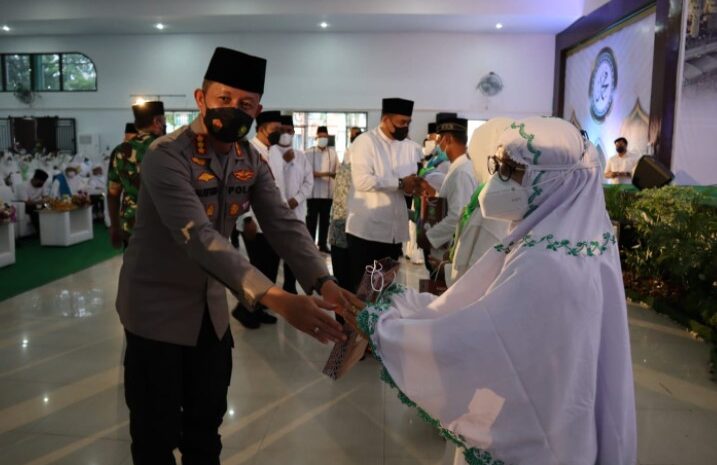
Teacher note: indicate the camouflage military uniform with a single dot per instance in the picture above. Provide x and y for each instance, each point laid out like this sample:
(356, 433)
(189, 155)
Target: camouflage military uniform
(123, 176)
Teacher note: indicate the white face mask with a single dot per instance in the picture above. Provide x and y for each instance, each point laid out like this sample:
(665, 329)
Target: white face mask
(71, 174)
(503, 200)
(286, 139)
(322, 141)
(429, 147)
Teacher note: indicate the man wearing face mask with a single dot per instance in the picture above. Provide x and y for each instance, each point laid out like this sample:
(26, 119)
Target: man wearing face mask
(621, 165)
(295, 178)
(261, 254)
(123, 176)
(172, 289)
(325, 163)
(383, 173)
(457, 188)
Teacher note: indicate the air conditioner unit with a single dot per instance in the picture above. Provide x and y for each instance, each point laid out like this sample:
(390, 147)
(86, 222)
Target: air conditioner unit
(88, 145)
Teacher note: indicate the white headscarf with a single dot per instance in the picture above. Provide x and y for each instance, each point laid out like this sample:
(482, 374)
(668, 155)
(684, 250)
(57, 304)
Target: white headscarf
(526, 359)
(483, 143)
(479, 234)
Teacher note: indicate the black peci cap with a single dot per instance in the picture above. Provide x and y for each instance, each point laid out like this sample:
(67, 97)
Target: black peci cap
(397, 106)
(237, 69)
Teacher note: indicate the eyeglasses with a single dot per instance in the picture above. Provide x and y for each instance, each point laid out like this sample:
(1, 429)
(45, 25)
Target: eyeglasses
(504, 169)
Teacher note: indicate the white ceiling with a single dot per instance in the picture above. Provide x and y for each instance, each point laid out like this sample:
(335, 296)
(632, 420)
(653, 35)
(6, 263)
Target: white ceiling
(50, 17)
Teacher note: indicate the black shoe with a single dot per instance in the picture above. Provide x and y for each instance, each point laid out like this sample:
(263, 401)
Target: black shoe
(264, 317)
(248, 319)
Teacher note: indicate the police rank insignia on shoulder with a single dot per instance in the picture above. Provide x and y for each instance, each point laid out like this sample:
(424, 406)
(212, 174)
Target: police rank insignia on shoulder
(200, 145)
(243, 174)
(199, 161)
(206, 176)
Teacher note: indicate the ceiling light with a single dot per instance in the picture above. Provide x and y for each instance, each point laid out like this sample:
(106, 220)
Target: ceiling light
(6, 28)
(323, 25)
(499, 25)
(160, 26)
(140, 101)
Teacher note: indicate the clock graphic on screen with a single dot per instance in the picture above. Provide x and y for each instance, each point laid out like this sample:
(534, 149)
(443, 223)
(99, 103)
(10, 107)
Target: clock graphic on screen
(603, 82)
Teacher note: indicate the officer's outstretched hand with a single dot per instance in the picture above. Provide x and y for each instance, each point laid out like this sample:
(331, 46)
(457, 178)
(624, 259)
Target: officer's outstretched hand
(305, 313)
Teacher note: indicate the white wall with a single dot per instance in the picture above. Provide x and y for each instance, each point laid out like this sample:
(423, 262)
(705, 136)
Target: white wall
(311, 71)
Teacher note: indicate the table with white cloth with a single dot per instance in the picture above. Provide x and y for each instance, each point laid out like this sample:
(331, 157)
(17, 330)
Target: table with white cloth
(7, 244)
(66, 228)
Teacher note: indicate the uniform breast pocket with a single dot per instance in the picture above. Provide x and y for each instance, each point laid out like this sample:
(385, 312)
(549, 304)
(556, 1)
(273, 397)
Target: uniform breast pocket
(237, 199)
(206, 186)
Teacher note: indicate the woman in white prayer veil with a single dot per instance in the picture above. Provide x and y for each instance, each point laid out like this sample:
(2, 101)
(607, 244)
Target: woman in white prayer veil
(525, 360)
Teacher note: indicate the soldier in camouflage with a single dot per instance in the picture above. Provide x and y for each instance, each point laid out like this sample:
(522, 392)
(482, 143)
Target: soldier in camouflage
(123, 177)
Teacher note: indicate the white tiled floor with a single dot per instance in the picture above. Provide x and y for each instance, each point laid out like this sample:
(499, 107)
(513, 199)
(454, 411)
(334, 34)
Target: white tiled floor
(61, 398)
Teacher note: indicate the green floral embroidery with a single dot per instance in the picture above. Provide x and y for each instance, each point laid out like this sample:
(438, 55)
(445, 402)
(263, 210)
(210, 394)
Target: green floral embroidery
(367, 321)
(529, 139)
(588, 248)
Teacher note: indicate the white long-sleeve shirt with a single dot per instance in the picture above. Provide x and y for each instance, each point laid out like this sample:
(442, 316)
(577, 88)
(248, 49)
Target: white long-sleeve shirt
(377, 207)
(26, 192)
(264, 152)
(457, 189)
(324, 161)
(295, 179)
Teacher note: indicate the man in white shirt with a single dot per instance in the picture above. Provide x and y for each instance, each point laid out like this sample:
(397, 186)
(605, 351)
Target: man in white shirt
(325, 163)
(457, 189)
(383, 173)
(295, 178)
(261, 255)
(32, 193)
(621, 165)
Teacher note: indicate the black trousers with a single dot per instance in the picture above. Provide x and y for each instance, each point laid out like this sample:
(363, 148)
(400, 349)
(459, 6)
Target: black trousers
(363, 253)
(262, 256)
(32, 210)
(319, 211)
(177, 397)
(341, 266)
(98, 207)
(289, 280)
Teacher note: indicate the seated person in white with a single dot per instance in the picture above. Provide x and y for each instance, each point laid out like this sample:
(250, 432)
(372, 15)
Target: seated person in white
(526, 359)
(33, 193)
(621, 165)
(97, 184)
(68, 182)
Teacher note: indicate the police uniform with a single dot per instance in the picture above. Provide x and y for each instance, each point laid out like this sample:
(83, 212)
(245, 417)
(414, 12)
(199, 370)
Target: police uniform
(123, 177)
(171, 298)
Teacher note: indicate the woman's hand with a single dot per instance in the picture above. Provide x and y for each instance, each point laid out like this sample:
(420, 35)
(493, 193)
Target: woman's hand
(305, 313)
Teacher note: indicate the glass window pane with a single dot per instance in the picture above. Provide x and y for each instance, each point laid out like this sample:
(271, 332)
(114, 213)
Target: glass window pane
(177, 119)
(17, 71)
(47, 72)
(78, 72)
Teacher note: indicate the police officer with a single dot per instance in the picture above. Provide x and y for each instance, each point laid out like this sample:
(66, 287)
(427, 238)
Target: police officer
(171, 299)
(123, 178)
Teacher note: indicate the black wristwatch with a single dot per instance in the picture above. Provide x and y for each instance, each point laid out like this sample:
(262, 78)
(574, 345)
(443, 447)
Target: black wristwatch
(400, 184)
(322, 280)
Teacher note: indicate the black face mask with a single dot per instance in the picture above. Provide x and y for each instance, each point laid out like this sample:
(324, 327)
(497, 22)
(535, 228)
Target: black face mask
(621, 149)
(227, 124)
(400, 133)
(274, 137)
